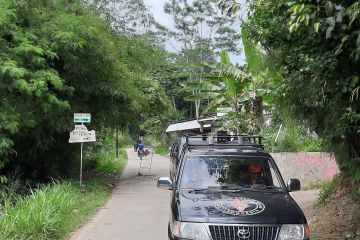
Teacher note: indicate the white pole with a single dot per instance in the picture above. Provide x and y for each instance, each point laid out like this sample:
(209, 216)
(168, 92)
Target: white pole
(81, 160)
(278, 134)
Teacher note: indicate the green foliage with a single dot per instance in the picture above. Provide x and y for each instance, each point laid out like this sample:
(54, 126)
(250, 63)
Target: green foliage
(109, 164)
(234, 81)
(161, 150)
(59, 57)
(294, 138)
(202, 33)
(228, 85)
(125, 140)
(315, 49)
(254, 58)
(100, 156)
(51, 212)
(327, 190)
(153, 128)
(126, 17)
(192, 18)
(105, 159)
(315, 185)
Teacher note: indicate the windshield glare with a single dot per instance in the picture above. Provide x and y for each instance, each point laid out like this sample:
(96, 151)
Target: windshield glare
(203, 172)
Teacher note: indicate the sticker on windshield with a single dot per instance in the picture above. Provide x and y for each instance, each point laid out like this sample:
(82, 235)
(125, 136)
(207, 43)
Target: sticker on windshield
(239, 206)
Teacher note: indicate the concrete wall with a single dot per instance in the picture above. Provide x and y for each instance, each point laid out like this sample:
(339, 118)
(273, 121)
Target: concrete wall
(308, 167)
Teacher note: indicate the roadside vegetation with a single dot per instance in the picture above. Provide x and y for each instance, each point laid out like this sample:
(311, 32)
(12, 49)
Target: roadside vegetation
(54, 210)
(104, 160)
(292, 138)
(337, 198)
(311, 62)
(327, 189)
(161, 150)
(59, 57)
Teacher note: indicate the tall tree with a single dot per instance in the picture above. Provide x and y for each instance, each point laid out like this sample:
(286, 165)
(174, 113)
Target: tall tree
(316, 45)
(126, 17)
(59, 58)
(202, 32)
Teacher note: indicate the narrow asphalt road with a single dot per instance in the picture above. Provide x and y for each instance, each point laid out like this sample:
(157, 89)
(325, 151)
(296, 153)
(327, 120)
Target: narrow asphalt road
(137, 210)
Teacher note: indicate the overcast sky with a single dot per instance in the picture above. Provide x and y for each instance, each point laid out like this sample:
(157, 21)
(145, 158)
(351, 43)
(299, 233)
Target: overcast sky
(157, 8)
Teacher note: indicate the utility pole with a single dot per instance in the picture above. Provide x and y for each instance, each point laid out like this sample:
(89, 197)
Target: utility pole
(117, 143)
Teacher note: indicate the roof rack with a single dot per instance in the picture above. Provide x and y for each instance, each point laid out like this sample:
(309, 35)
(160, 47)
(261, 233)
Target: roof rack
(224, 140)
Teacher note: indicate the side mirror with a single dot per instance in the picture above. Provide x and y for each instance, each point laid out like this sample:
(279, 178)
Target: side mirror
(164, 183)
(293, 185)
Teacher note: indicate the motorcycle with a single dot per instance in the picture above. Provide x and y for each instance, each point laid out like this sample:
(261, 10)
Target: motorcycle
(141, 153)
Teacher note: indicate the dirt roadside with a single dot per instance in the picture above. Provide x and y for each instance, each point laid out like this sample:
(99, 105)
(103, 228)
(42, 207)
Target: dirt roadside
(306, 201)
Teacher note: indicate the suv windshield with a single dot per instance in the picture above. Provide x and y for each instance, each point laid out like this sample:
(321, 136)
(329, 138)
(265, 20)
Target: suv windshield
(229, 172)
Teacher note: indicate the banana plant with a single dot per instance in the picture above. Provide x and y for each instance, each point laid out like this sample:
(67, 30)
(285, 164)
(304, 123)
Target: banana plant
(228, 85)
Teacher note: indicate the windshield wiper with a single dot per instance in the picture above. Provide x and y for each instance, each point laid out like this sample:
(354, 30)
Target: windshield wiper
(271, 187)
(234, 188)
(231, 187)
(198, 190)
(210, 188)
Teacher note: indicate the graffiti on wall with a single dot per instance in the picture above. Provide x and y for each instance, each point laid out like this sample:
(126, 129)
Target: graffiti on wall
(308, 167)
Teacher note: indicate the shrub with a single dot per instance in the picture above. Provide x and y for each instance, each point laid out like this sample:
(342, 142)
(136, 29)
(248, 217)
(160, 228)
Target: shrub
(326, 190)
(293, 138)
(50, 212)
(161, 150)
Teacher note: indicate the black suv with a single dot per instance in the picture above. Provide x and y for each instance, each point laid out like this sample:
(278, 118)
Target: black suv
(229, 188)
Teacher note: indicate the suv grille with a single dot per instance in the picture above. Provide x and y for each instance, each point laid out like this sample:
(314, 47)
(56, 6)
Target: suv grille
(240, 232)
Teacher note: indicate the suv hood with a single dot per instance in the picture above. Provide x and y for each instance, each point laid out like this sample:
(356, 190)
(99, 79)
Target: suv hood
(244, 206)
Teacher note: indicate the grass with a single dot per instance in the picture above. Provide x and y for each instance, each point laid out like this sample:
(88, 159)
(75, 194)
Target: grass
(315, 185)
(294, 138)
(108, 164)
(55, 210)
(158, 146)
(161, 150)
(105, 160)
(326, 190)
(52, 211)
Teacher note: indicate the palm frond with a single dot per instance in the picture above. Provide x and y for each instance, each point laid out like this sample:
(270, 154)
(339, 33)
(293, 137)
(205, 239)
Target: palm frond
(228, 70)
(220, 100)
(224, 57)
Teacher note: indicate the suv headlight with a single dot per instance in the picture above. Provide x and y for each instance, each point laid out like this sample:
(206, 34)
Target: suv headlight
(188, 230)
(294, 232)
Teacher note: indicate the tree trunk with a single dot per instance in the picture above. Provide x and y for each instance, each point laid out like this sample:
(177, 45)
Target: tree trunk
(197, 108)
(258, 110)
(353, 142)
(174, 103)
(76, 11)
(191, 110)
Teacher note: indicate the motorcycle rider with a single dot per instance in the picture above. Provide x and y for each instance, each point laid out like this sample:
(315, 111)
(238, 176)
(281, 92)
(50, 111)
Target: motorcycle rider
(140, 147)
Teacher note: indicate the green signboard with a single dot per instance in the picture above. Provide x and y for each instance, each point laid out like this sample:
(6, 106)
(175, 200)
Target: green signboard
(82, 117)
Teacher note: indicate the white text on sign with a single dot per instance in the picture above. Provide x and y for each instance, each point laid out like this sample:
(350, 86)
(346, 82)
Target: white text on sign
(82, 117)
